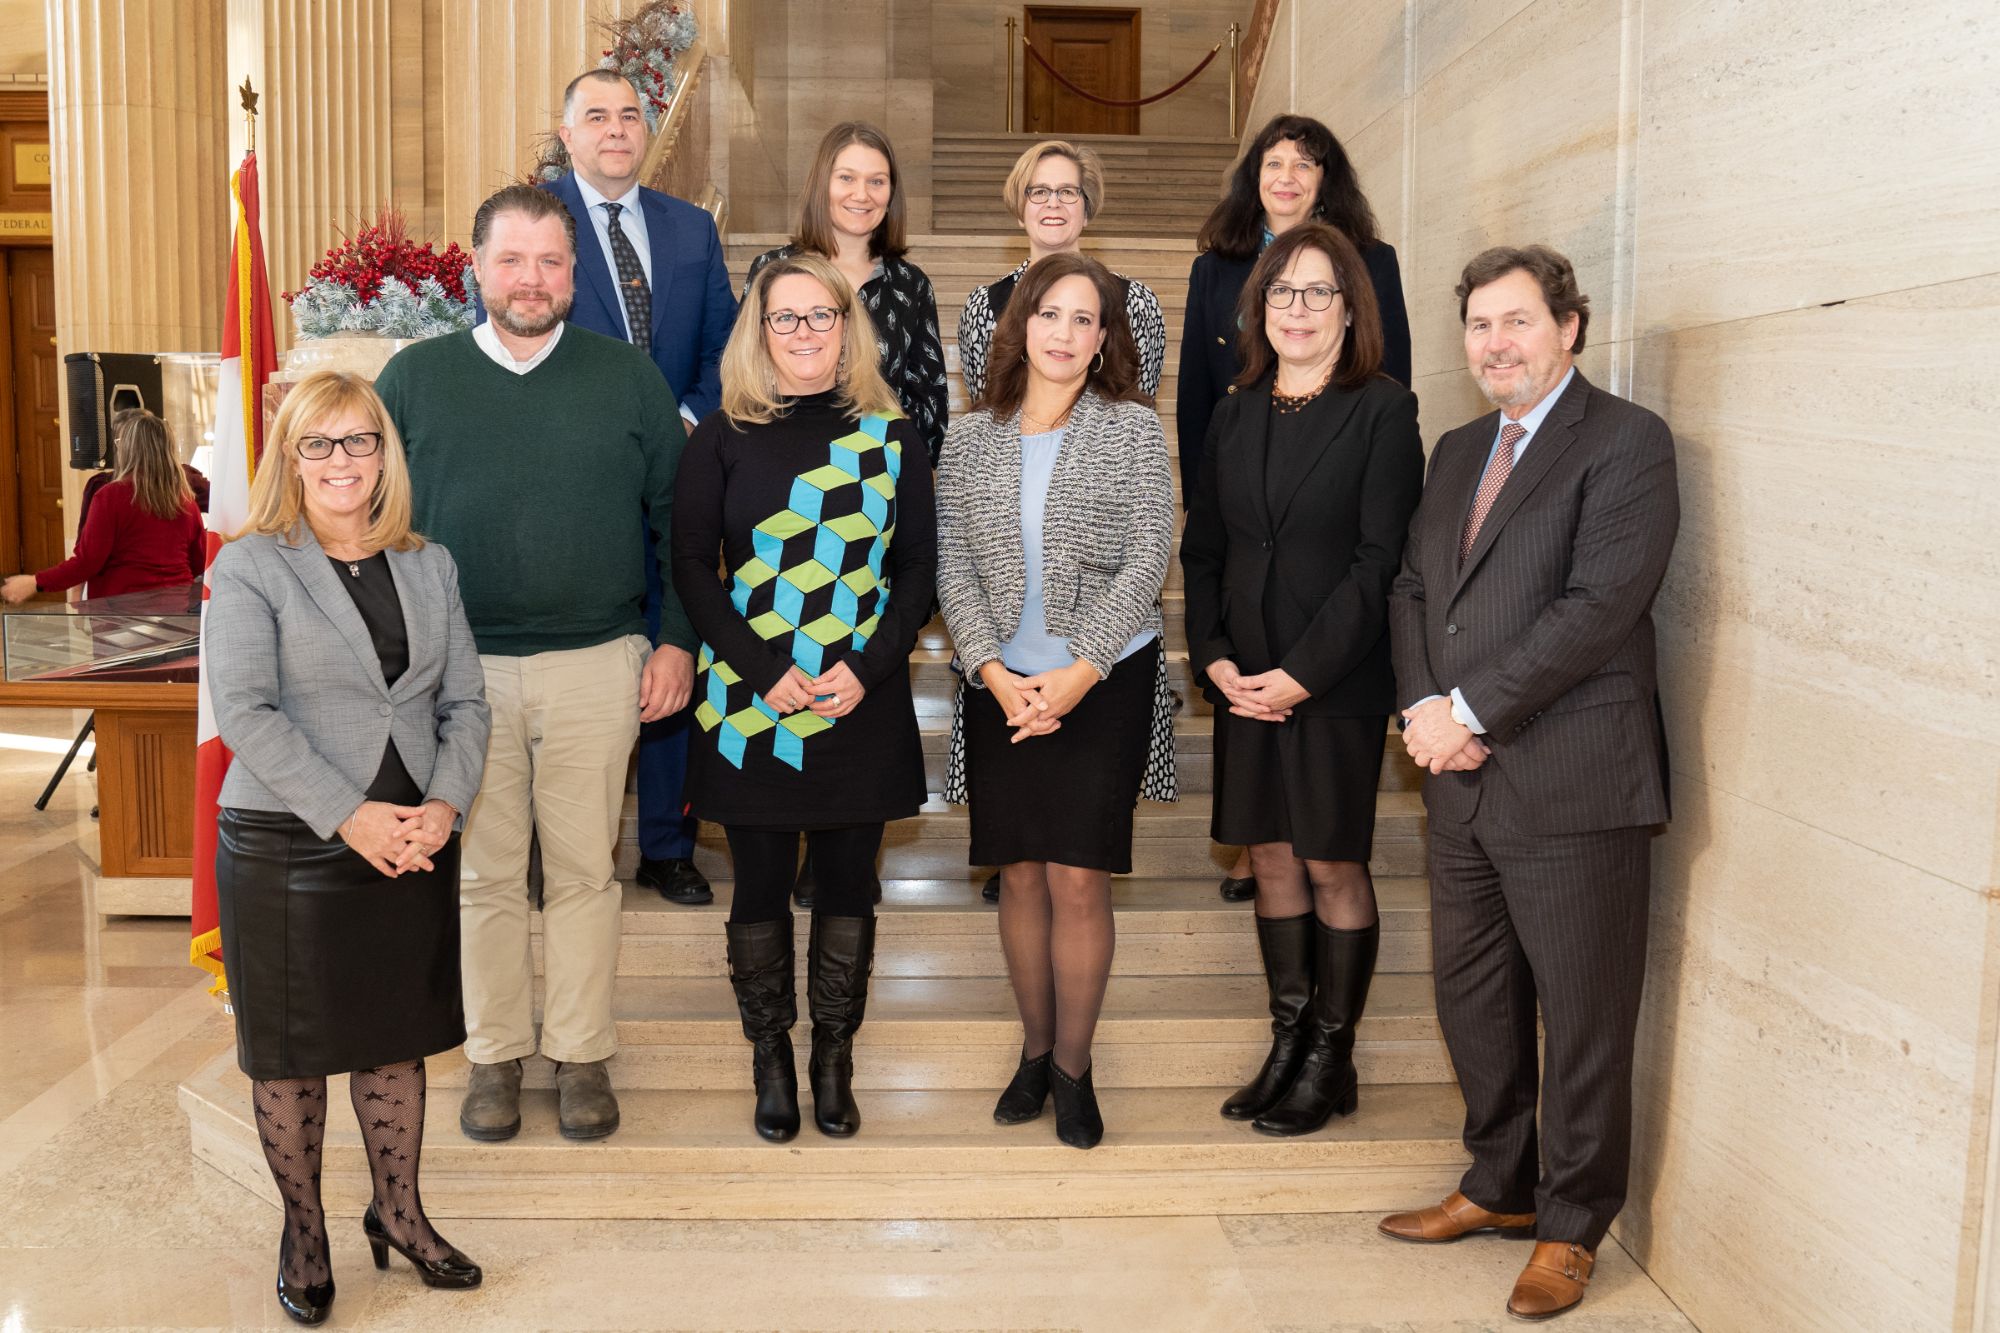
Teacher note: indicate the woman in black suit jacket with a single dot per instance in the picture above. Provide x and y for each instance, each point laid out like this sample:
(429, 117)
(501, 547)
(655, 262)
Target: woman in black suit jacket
(1295, 171)
(1313, 469)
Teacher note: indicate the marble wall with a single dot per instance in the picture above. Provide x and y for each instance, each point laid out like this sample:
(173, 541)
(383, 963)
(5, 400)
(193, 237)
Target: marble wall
(1786, 219)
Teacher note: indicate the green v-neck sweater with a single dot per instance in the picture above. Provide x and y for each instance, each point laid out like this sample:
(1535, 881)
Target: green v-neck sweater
(540, 485)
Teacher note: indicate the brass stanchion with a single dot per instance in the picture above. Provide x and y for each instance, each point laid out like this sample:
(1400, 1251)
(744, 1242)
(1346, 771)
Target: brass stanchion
(1235, 74)
(1008, 41)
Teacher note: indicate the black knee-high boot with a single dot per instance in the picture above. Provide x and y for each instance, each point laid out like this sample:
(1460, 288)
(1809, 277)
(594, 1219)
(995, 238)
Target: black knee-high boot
(1326, 1084)
(840, 955)
(1287, 946)
(760, 970)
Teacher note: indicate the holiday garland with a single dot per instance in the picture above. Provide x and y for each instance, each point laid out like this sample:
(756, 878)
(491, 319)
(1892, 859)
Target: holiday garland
(380, 281)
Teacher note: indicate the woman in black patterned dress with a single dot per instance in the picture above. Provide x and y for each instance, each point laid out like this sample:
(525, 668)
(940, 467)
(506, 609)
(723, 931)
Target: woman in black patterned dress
(851, 212)
(812, 489)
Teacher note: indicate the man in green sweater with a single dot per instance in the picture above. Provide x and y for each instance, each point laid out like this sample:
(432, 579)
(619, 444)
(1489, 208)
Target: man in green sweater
(536, 451)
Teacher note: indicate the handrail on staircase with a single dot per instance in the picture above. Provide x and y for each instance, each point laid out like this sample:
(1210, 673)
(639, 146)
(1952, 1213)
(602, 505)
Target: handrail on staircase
(668, 160)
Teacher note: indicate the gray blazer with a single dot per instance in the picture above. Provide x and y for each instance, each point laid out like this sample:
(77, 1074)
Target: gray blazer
(298, 690)
(1107, 533)
(1547, 626)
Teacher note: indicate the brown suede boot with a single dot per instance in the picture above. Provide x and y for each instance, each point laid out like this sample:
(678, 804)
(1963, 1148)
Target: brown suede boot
(491, 1110)
(585, 1105)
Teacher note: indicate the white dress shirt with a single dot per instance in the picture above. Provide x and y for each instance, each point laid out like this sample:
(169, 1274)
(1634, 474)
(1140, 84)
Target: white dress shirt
(489, 343)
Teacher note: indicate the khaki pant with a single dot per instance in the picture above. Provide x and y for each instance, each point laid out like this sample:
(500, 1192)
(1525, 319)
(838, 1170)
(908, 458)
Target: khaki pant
(564, 724)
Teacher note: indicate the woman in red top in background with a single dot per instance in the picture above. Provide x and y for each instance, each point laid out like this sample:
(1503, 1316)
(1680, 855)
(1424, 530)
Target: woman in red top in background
(142, 530)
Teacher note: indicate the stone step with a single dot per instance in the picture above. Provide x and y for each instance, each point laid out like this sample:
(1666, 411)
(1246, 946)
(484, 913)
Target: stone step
(1169, 842)
(1203, 937)
(962, 1032)
(922, 1154)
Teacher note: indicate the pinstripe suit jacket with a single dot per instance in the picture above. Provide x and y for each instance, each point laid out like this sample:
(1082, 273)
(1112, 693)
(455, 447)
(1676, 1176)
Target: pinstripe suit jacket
(298, 689)
(1547, 627)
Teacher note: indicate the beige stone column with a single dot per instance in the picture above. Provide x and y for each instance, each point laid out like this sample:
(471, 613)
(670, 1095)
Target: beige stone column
(140, 207)
(341, 130)
(507, 62)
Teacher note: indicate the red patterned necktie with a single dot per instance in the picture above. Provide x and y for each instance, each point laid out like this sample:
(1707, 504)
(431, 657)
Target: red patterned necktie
(1497, 472)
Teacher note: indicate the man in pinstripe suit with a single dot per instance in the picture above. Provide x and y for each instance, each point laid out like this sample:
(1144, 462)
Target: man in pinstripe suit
(1523, 640)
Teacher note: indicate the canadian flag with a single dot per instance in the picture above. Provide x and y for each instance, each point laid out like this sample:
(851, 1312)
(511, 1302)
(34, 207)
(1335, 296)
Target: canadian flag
(249, 355)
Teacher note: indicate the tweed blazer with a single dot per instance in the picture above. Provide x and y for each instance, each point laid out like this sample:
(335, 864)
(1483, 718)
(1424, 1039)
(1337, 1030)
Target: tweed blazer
(298, 690)
(1107, 533)
(1546, 627)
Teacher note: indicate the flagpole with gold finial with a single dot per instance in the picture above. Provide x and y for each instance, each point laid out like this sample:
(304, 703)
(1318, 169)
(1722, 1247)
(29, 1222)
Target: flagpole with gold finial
(249, 96)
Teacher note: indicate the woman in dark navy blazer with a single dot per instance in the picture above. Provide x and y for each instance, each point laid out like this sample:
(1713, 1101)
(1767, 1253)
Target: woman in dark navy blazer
(1294, 536)
(1295, 171)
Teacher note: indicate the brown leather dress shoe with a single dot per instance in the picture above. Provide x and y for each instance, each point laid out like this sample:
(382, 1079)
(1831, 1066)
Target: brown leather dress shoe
(1553, 1281)
(1456, 1216)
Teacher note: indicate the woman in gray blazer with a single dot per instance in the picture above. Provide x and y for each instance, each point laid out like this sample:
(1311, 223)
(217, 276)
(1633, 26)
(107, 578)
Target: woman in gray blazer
(345, 680)
(1055, 524)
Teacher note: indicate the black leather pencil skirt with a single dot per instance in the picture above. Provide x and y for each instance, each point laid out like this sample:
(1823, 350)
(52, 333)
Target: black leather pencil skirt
(332, 965)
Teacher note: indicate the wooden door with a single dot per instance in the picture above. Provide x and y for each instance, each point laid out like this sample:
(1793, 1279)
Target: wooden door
(35, 372)
(1095, 49)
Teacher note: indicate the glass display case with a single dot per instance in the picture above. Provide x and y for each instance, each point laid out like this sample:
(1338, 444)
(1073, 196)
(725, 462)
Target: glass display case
(151, 638)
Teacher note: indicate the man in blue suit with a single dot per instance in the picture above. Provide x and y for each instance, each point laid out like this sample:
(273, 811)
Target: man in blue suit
(649, 269)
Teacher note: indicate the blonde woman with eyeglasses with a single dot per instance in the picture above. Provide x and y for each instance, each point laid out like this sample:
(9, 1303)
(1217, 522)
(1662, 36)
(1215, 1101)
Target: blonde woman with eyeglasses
(811, 492)
(345, 679)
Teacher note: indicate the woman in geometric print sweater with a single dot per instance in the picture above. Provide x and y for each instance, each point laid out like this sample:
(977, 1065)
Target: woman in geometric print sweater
(813, 494)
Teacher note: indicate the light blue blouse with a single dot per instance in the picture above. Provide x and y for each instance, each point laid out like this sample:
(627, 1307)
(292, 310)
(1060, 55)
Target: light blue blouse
(1032, 649)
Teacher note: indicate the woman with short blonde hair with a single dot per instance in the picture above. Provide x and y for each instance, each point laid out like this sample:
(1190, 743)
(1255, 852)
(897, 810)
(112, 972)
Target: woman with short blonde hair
(1055, 189)
(346, 681)
(811, 493)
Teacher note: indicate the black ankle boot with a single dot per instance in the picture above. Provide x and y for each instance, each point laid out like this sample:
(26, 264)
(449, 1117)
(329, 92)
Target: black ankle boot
(305, 1304)
(760, 971)
(1077, 1120)
(1327, 1085)
(838, 959)
(1025, 1094)
(454, 1272)
(1287, 946)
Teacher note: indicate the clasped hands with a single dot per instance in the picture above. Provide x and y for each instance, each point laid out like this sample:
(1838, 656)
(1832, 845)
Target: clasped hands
(1268, 696)
(1440, 742)
(396, 839)
(831, 694)
(1036, 705)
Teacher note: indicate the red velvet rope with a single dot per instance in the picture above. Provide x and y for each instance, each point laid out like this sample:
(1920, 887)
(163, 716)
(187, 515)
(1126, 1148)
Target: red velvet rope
(1056, 74)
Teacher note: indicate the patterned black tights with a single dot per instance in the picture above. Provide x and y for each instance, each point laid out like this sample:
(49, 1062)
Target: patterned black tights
(291, 1121)
(389, 1103)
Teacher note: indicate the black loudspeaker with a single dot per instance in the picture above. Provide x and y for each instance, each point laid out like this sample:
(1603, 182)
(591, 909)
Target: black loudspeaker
(100, 384)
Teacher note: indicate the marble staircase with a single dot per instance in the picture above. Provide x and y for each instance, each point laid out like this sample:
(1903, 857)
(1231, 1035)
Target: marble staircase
(1184, 1020)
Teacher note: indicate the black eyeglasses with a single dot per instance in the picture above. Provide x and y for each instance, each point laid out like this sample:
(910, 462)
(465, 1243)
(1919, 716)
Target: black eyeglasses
(1041, 194)
(819, 319)
(1279, 296)
(358, 445)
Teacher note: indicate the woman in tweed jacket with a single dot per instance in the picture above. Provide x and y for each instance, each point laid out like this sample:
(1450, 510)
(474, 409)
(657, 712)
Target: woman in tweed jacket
(1055, 525)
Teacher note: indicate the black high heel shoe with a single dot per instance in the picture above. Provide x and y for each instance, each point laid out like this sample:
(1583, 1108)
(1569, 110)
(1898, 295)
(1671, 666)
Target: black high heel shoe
(1077, 1120)
(305, 1304)
(1025, 1094)
(454, 1272)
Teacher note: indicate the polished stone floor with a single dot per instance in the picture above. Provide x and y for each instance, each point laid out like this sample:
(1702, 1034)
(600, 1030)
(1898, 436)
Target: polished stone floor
(107, 1222)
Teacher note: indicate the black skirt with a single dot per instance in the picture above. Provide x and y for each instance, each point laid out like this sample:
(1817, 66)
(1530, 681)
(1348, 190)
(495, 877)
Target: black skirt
(1066, 797)
(1308, 781)
(332, 965)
